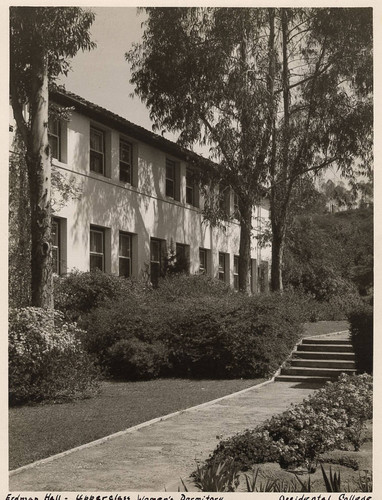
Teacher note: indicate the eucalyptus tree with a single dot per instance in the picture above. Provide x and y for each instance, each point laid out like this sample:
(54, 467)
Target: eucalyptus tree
(278, 94)
(324, 117)
(206, 73)
(42, 39)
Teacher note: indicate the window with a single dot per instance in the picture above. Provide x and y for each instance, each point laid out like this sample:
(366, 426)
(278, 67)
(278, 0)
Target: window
(236, 272)
(202, 261)
(56, 246)
(125, 161)
(224, 199)
(54, 133)
(191, 189)
(97, 254)
(222, 267)
(182, 261)
(97, 149)
(170, 178)
(125, 255)
(235, 204)
(156, 264)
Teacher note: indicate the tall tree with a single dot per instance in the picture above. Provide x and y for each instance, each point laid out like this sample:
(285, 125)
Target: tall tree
(325, 115)
(279, 94)
(41, 41)
(208, 74)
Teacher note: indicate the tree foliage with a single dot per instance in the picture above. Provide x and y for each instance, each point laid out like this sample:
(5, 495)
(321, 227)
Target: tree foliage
(278, 94)
(42, 39)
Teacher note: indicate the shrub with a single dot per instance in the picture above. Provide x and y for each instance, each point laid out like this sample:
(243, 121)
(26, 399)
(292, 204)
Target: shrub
(46, 358)
(133, 359)
(361, 332)
(331, 418)
(78, 293)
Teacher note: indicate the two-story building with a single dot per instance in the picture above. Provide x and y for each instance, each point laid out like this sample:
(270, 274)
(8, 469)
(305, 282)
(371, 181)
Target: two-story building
(137, 199)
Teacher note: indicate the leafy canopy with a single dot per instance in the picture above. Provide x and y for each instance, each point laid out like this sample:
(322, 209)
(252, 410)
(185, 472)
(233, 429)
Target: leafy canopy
(56, 32)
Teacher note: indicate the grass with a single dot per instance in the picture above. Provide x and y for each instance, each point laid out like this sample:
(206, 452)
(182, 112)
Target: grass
(322, 327)
(40, 431)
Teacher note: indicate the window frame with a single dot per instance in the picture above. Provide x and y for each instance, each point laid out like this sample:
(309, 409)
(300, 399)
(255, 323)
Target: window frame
(158, 263)
(96, 229)
(191, 187)
(124, 258)
(236, 264)
(124, 141)
(172, 164)
(56, 245)
(222, 270)
(56, 134)
(93, 152)
(203, 267)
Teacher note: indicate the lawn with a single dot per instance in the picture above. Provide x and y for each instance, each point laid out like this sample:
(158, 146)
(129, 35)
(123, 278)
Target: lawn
(40, 431)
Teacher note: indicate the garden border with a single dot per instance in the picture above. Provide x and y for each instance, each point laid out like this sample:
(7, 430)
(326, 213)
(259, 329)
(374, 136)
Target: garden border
(148, 422)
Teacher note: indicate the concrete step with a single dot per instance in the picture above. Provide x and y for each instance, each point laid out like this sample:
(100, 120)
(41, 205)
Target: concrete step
(324, 355)
(302, 378)
(323, 363)
(326, 341)
(317, 372)
(325, 347)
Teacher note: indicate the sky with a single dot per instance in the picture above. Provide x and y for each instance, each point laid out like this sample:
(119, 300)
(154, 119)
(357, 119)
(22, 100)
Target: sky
(102, 75)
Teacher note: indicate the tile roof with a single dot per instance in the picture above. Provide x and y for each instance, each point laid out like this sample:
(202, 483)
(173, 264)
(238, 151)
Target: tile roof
(112, 120)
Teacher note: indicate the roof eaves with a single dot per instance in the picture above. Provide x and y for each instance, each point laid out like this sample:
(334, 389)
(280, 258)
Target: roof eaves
(98, 113)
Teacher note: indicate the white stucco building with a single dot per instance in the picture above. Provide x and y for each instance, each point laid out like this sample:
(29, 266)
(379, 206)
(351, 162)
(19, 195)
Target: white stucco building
(136, 199)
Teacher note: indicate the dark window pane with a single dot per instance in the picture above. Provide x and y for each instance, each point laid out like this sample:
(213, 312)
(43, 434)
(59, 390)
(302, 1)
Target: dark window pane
(96, 162)
(124, 267)
(96, 262)
(170, 188)
(96, 241)
(124, 245)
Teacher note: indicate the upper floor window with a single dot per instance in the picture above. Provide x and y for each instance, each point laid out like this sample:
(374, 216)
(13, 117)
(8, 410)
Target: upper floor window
(56, 257)
(236, 272)
(54, 137)
(125, 161)
(235, 204)
(172, 179)
(97, 252)
(97, 151)
(224, 199)
(191, 189)
(125, 254)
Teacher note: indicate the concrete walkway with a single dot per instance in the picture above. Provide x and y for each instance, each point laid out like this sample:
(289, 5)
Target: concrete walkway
(156, 456)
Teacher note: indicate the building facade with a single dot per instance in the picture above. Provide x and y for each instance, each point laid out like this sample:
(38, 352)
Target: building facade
(136, 201)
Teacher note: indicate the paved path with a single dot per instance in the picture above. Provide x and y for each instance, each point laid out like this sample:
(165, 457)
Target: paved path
(155, 457)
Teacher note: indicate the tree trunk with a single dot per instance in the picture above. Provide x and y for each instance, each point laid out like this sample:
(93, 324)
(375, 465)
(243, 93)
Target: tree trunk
(278, 241)
(39, 176)
(245, 249)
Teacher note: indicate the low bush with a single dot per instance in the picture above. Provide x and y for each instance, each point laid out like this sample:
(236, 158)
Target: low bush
(361, 332)
(331, 418)
(78, 293)
(46, 358)
(197, 335)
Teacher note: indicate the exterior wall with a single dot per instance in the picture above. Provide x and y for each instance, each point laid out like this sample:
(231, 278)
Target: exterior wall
(141, 208)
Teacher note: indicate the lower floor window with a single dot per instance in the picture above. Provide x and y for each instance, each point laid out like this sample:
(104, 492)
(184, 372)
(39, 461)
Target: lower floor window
(222, 270)
(202, 261)
(56, 268)
(236, 272)
(97, 252)
(182, 258)
(125, 255)
(156, 260)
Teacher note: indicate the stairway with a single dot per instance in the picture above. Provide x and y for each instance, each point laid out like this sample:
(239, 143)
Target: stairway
(318, 360)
